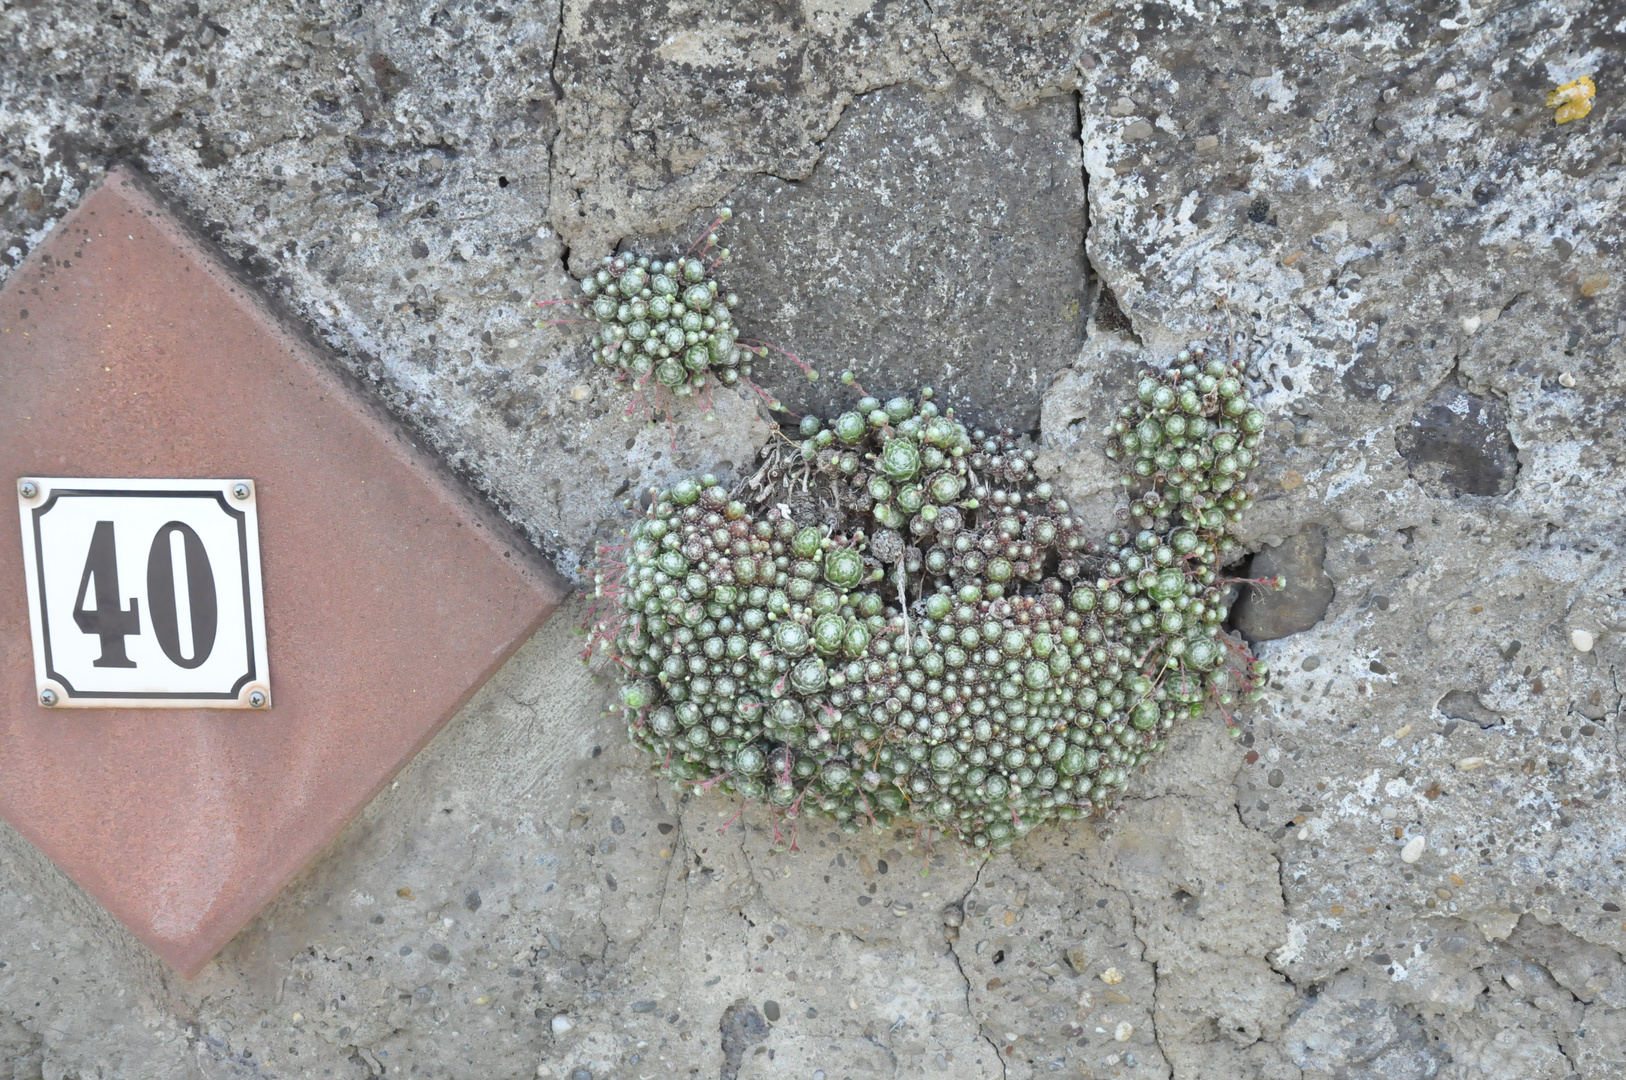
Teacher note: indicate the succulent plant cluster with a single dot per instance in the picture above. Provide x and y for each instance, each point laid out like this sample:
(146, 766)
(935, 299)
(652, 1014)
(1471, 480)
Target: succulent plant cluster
(668, 319)
(897, 618)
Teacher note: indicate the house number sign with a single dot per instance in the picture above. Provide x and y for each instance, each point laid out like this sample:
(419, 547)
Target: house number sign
(144, 593)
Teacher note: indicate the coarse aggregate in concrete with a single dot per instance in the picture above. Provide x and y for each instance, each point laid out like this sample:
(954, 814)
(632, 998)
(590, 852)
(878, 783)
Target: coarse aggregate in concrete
(1412, 863)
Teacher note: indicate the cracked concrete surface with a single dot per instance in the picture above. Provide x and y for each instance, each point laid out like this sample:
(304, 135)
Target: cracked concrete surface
(1412, 864)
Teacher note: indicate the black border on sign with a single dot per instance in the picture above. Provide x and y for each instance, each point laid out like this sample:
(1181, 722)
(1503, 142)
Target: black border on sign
(248, 612)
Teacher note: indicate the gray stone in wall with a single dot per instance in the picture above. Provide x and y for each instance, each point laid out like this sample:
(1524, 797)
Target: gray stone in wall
(1457, 443)
(1465, 705)
(937, 242)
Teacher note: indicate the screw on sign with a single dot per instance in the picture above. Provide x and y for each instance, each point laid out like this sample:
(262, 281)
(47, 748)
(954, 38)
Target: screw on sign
(144, 592)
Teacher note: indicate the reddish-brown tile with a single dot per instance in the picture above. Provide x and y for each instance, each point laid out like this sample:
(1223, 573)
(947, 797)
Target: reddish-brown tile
(391, 594)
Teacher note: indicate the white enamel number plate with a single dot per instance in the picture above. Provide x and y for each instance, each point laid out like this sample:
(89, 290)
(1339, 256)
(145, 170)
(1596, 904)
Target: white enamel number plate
(145, 593)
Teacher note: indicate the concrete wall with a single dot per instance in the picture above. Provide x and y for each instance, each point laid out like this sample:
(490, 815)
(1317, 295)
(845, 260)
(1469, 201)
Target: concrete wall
(1428, 271)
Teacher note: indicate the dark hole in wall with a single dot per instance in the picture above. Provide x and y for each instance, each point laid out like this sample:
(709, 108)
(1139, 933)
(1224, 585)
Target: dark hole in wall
(1109, 317)
(1264, 614)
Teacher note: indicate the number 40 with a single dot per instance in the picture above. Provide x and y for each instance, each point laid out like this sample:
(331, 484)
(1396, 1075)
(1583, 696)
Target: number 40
(175, 545)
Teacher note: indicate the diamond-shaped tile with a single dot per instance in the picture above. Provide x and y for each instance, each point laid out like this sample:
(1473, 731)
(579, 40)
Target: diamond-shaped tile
(391, 593)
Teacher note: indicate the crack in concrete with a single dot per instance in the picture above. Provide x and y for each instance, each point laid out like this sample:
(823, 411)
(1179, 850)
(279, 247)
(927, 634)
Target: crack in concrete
(1620, 697)
(1151, 1013)
(959, 965)
(553, 64)
(1084, 176)
(931, 28)
(558, 129)
(1281, 886)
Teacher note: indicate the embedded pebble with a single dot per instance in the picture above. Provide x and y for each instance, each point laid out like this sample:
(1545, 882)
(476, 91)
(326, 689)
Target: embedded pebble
(1123, 1031)
(561, 1024)
(1413, 849)
(1112, 976)
(1582, 640)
